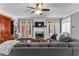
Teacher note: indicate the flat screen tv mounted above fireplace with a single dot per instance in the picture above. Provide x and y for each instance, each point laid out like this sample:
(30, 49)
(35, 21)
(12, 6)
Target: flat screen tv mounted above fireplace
(39, 24)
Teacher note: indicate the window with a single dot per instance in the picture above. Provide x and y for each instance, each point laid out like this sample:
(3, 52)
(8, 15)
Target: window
(66, 25)
(26, 28)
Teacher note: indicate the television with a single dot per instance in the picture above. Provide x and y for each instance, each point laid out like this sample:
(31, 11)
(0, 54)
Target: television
(39, 24)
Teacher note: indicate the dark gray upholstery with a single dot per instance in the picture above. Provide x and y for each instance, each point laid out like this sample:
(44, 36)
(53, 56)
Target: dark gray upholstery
(75, 51)
(52, 49)
(41, 51)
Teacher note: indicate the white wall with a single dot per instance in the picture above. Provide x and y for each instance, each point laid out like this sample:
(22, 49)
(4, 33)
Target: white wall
(56, 22)
(45, 29)
(75, 25)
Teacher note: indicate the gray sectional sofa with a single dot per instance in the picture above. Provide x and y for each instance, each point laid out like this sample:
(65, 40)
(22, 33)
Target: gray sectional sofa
(41, 51)
(53, 49)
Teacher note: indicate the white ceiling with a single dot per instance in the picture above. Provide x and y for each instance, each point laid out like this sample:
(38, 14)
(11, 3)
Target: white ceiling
(56, 9)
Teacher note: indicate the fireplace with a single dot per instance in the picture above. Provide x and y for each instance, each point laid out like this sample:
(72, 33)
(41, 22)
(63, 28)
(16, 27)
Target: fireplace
(39, 35)
(39, 29)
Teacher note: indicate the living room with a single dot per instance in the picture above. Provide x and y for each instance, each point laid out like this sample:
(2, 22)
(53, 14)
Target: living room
(40, 26)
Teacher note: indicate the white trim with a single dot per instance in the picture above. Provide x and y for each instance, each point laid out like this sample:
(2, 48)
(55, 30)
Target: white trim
(71, 13)
(6, 14)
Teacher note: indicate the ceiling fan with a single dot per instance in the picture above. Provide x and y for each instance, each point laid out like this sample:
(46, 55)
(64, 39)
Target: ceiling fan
(38, 9)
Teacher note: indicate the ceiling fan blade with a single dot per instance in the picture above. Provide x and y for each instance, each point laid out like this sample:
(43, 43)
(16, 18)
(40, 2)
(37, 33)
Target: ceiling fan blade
(45, 9)
(30, 7)
(32, 11)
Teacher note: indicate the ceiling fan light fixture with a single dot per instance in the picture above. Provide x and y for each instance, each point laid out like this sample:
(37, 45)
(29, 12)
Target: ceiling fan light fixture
(38, 9)
(38, 12)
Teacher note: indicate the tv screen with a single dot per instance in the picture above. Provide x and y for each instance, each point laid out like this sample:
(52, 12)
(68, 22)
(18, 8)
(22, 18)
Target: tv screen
(39, 24)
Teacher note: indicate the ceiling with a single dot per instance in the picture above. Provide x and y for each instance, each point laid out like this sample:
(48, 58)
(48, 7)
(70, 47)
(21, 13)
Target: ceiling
(20, 10)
